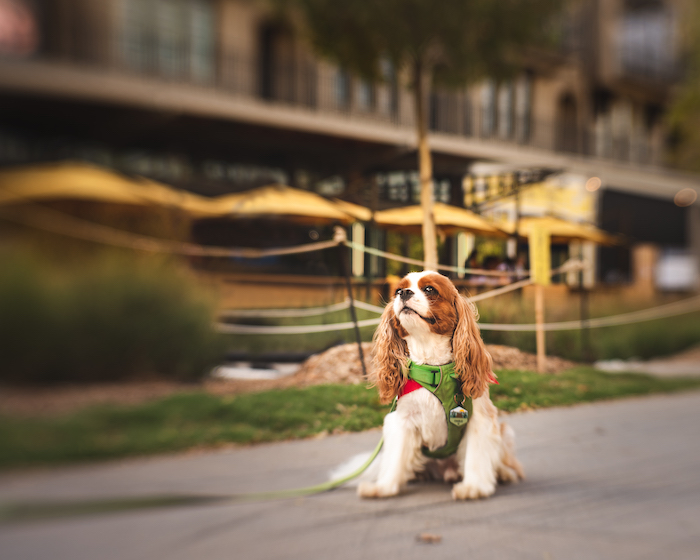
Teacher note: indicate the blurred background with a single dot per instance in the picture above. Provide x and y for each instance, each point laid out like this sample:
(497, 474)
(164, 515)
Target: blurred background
(190, 191)
(128, 121)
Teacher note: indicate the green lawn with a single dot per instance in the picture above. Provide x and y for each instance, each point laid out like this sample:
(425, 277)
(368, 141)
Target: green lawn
(197, 419)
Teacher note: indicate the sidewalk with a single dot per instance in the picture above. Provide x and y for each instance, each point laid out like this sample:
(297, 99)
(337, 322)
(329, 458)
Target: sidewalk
(607, 480)
(685, 364)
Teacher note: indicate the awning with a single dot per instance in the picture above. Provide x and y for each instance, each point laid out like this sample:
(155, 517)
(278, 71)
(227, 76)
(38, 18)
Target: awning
(450, 219)
(280, 201)
(81, 181)
(562, 231)
(355, 210)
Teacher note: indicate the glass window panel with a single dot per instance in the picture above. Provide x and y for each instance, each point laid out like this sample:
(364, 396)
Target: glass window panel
(171, 29)
(342, 88)
(365, 96)
(202, 44)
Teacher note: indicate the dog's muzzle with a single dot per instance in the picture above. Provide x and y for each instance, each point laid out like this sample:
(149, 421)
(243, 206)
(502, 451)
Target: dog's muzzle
(429, 320)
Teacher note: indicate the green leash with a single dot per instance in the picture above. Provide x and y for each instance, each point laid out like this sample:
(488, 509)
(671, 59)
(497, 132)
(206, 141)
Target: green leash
(37, 511)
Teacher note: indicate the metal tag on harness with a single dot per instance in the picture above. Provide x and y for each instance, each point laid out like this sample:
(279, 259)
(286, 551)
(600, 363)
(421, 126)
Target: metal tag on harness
(459, 416)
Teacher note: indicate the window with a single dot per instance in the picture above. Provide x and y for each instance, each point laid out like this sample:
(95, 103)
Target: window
(390, 104)
(442, 190)
(404, 186)
(505, 110)
(523, 104)
(365, 96)
(488, 108)
(567, 125)
(342, 88)
(646, 40)
(172, 38)
(202, 45)
(171, 30)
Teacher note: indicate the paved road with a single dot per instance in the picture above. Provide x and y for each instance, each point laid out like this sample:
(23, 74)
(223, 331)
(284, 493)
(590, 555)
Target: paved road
(685, 364)
(609, 480)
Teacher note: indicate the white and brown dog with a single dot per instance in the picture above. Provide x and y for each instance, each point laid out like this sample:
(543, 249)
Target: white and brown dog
(429, 322)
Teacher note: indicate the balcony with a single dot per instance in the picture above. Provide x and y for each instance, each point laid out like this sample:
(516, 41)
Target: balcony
(306, 94)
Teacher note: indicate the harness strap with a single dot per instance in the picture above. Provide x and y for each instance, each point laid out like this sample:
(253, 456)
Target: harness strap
(429, 374)
(443, 383)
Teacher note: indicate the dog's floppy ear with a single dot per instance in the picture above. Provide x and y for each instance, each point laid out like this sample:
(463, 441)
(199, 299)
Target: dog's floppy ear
(389, 356)
(473, 363)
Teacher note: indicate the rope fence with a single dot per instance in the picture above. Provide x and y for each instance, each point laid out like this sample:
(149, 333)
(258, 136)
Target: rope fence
(416, 262)
(269, 313)
(54, 221)
(682, 307)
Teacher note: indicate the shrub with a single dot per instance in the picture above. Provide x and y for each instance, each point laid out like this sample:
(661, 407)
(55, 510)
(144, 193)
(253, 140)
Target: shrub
(644, 340)
(105, 322)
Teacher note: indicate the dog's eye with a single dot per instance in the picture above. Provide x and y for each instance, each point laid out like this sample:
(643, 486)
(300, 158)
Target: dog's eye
(430, 291)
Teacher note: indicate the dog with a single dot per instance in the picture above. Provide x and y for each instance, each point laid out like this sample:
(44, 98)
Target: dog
(429, 323)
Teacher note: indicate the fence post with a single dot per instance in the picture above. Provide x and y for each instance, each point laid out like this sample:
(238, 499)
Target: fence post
(540, 272)
(539, 331)
(343, 254)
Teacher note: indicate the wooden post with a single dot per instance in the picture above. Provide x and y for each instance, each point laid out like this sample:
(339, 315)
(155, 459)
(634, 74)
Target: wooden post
(540, 272)
(539, 321)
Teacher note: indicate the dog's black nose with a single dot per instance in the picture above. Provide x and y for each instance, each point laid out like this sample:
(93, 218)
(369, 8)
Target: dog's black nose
(406, 295)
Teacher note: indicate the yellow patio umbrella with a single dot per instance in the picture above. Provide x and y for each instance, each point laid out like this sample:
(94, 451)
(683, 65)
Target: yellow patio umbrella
(449, 218)
(280, 201)
(81, 181)
(355, 210)
(562, 231)
(195, 205)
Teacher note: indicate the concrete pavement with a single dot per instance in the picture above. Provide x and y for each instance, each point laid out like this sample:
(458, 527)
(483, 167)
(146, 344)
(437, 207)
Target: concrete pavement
(685, 364)
(607, 480)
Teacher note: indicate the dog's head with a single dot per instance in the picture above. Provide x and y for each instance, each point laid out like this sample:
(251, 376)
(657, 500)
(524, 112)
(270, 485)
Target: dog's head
(427, 302)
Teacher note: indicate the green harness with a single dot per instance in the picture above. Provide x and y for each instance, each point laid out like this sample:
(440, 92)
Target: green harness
(442, 382)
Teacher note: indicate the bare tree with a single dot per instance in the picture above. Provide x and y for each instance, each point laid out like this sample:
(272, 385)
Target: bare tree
(448, 42)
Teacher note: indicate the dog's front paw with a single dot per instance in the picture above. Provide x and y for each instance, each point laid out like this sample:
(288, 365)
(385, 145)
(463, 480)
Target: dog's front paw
(472, 491)
(372, 490)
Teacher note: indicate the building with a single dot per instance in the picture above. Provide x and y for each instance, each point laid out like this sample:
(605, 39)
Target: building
(217, 95)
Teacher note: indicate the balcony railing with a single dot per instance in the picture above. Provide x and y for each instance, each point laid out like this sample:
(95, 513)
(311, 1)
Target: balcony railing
(322, 89)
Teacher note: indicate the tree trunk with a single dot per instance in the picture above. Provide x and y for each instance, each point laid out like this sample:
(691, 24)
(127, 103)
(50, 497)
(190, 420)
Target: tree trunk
(422, 79)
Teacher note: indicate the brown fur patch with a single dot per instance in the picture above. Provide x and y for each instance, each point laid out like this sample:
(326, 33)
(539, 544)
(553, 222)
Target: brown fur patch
(454, 316)
(390, 356)
(442, 303)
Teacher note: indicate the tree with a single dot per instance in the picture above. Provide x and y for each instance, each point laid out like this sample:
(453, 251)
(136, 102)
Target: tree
(684, 112)
(448, 42)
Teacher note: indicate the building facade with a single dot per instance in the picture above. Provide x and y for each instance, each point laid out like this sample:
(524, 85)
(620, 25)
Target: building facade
(217, 96)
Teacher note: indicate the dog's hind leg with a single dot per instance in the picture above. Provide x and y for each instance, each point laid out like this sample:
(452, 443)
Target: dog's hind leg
(482, 452)
(509, 468)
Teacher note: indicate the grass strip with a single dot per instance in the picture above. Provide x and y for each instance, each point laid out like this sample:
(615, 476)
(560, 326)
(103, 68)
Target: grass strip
(525, 390)
(197, 419)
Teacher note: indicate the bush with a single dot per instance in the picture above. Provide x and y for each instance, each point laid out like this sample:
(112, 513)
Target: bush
(644, 340)
(106, 322)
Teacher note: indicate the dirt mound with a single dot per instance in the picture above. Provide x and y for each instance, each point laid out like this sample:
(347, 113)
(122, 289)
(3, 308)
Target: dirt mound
(339, 364)
(342, 365)
(507, 357)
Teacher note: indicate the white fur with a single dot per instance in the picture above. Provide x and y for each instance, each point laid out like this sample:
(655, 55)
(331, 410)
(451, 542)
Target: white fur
(485, 454)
